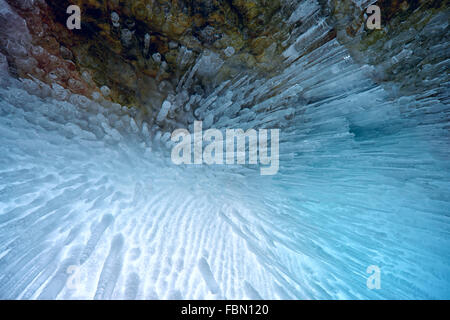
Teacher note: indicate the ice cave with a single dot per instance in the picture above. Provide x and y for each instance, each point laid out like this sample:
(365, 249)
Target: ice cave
(93, 207)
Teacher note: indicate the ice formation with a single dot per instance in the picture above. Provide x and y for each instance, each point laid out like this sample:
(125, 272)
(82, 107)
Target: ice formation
(91, 206)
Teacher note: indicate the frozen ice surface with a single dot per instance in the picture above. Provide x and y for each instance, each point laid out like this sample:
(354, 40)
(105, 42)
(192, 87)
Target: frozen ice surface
(91, 206)
(364, 181)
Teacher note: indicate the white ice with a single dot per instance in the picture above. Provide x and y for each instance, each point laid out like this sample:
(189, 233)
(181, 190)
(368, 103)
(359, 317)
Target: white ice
(91, 206)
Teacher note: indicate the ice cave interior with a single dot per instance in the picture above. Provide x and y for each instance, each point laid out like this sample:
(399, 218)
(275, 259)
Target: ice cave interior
(93, 207)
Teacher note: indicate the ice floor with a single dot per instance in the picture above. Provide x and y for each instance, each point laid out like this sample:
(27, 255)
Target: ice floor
(91, 206)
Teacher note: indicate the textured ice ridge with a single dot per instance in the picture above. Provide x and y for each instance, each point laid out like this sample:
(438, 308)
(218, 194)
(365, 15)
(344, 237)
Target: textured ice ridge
(92, 207)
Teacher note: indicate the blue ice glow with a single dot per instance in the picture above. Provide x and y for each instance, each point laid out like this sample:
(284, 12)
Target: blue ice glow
(364, 180)
(92, 207)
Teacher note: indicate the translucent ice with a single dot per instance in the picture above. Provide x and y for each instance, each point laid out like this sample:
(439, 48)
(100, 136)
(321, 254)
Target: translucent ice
(91, 205)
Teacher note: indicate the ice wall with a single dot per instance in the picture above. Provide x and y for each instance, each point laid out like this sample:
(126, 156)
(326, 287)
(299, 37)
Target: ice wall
(92, 207)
